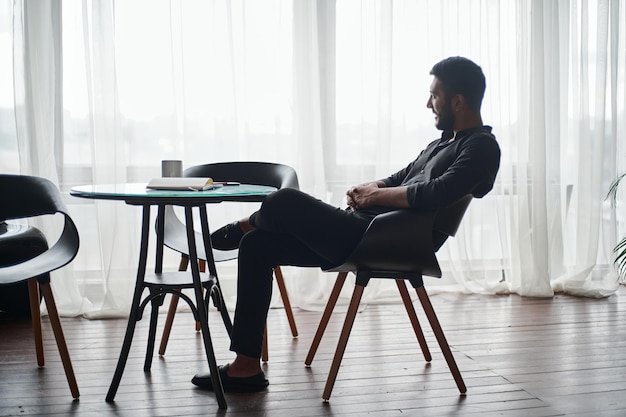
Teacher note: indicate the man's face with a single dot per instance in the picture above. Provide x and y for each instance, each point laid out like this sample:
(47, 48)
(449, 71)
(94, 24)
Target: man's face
(440, 105)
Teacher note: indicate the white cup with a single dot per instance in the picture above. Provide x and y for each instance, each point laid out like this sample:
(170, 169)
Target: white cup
(171, 168)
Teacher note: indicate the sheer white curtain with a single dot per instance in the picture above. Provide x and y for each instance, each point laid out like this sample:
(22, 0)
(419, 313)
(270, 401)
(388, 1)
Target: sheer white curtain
(37, 108)
(337, 90)
(575, 116)
(555, 97)
(202, 82)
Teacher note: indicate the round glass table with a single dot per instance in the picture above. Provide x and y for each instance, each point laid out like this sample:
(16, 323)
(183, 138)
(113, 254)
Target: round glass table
(159, 283)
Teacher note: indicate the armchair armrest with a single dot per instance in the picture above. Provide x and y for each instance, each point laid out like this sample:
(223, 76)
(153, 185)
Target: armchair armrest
(398, 241)
(59, 255)
(405, 241)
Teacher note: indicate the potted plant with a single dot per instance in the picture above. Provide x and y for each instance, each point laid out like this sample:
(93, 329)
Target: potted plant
(620, 248)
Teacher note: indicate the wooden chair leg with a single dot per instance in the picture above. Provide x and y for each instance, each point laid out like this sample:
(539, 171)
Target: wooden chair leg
(328, 311)
(167, 327)
(264, 350)
(35, 314)
(408, 305)
(343, 340)
(441, 338)
(184, 263)
(60, 339)
(171, 311)
(284, 295)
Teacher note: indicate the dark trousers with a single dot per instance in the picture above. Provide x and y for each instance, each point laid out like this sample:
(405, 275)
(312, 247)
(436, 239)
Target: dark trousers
(291, 228)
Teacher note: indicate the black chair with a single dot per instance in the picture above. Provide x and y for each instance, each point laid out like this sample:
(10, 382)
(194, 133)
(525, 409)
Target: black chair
(18, 243)
(26, 197)
(175, 237)
(400, 245)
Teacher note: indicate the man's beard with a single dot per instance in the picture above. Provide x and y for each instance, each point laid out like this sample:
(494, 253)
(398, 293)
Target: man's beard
(445, 118)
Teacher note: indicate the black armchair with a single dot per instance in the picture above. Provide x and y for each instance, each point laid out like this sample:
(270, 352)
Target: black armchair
(175, 235)
(400, 245)
(26, 197)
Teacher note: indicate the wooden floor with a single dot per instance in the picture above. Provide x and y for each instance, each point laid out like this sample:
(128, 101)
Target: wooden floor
(518, 356)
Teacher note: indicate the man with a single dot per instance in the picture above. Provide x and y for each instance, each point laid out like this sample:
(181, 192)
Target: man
(294, 228)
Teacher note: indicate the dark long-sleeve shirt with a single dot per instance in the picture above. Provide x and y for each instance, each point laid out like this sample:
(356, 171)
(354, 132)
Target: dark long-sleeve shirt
(446, 170)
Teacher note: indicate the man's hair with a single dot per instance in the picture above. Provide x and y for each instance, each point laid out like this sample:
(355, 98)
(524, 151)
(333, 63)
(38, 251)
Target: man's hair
(459, 75)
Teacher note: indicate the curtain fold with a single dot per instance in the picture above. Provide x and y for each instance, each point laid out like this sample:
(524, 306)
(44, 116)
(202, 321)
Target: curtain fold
(116, 224)
(338, 90)
(37, 70)
(38, 109)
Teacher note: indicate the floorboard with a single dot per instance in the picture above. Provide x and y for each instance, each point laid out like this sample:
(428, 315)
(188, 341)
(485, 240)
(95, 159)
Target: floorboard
(564, 356)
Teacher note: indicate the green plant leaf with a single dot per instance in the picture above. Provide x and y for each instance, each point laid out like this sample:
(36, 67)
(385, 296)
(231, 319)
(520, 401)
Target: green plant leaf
(620, 257)
(612, 194)
(620, 249)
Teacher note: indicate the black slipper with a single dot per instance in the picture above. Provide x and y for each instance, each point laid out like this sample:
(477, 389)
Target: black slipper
(253, 383)
(227, 237)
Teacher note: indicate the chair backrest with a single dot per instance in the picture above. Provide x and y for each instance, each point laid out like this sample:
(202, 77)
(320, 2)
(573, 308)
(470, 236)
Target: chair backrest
(448, 220)
(259, 173)
(27, 196)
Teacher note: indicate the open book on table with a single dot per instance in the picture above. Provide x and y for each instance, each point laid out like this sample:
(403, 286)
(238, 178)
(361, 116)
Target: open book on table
(182, 184)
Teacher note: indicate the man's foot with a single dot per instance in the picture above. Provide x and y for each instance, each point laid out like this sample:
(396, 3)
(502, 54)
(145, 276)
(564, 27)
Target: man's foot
(227, 237)
(253, 383)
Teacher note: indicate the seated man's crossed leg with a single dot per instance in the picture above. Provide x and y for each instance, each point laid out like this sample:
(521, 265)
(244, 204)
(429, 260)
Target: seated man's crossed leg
(290, 228)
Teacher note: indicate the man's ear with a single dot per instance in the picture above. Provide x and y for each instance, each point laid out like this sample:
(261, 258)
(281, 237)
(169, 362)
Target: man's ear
(457, 103)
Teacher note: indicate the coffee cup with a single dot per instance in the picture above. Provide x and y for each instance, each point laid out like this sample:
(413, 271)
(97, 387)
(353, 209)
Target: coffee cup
(171, 168)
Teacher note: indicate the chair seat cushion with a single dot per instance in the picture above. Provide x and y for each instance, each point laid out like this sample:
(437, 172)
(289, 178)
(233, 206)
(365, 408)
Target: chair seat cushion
(18, 243)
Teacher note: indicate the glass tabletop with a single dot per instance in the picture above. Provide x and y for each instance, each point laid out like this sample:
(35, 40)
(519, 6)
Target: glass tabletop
(138, 193)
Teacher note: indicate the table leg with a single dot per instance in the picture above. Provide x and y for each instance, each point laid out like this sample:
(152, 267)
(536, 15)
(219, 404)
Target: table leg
(218, 299)
(154, 315)
(134, 309)
(202, 311)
